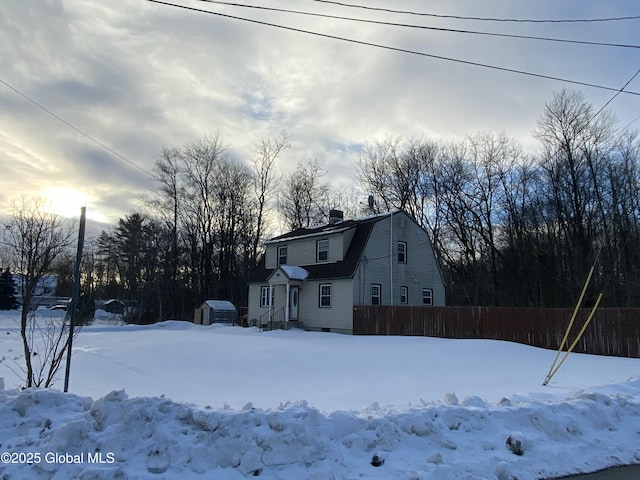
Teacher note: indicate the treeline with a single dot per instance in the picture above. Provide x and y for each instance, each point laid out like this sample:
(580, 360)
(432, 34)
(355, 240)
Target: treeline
(203, 229)
(510, 229)
(518, 230)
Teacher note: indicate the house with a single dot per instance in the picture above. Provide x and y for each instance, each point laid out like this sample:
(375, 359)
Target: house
(316, 275)
(216, 311)
(43, 293)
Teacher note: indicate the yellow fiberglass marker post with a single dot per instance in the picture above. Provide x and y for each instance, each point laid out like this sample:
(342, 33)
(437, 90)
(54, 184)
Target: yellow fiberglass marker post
(575, 342)
(573, 317)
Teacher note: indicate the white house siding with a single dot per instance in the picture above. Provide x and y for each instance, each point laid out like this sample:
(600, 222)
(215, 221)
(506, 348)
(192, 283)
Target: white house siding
(338, 317)
(420, 271)
(271, 256)
(253, 308)
(336, 247)
(255, 311)
(303, 251)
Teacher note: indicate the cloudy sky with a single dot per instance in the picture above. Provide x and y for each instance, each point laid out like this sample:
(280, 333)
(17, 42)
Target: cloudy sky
(137, 76)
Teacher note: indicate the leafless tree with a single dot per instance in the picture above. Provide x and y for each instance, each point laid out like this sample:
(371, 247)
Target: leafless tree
(574, 156)
(381, 173)
(200, 160)
(233, 207)
(303, 196)
(267, 150)
(169, 204)
(34, 239)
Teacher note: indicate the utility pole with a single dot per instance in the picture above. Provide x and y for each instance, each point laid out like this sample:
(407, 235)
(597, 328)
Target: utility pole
(75, 294)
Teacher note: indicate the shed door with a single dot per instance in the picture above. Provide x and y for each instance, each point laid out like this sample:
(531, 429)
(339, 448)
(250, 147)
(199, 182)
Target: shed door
(294, 300)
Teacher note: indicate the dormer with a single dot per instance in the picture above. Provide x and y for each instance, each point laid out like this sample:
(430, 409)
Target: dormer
(309, 246)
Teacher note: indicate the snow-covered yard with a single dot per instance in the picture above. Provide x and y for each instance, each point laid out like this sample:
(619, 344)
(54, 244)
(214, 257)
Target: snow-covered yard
(184, 401)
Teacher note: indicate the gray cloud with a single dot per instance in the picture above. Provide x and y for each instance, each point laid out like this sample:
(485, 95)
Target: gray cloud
(138, 77)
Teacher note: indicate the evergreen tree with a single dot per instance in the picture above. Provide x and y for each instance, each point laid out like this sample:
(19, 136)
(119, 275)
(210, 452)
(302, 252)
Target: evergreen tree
(7, 291)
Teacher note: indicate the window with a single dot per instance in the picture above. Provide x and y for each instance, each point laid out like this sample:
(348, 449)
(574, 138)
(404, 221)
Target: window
(402, 252)
(427, 296)
(282, 255)
(404, 295)
(322, 250)
(265, 301)
(376, 294)
(325, 295)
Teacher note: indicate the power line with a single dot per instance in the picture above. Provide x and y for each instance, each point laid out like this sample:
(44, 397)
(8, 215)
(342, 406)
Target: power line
(484, 19)
(84, 134)
(617, 93)
(396, 49)
(592, 118)
(423, 27)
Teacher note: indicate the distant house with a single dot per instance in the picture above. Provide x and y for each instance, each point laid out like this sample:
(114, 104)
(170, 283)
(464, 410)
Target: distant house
(216, 311)
(316, 275)
(43, 293)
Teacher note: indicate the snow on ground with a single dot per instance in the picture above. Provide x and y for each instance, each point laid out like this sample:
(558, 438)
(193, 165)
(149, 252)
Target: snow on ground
(183, 401)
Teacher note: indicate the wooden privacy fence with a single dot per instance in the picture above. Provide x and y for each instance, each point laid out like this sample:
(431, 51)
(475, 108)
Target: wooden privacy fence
(612, 331)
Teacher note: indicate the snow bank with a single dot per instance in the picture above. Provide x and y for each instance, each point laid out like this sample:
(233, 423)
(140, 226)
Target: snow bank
(486, 414)
(141, 438)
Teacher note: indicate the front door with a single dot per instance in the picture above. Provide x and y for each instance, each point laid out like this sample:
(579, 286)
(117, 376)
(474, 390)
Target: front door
(294, 300)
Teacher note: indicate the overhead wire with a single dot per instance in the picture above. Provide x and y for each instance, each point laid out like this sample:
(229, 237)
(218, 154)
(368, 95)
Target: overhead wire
(636, 118)
(618, 91)
(614, 97)
(394, 49)
(482, 19)
(73, 127)
(421, 27)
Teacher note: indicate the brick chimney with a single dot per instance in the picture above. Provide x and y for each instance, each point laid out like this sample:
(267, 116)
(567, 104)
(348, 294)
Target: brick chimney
(335, 216)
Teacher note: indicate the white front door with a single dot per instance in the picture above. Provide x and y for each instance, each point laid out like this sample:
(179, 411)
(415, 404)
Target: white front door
(294, 300)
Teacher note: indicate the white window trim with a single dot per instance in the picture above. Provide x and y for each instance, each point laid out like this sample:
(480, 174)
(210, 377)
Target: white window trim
(286, 250)
(324, 241)
(263, 296)
(430, 296)
(321, 296)
(378, 296)
(404, 290)
(404, 253)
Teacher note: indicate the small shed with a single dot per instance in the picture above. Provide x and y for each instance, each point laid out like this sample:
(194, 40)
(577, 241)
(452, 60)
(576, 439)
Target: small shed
(216, 311)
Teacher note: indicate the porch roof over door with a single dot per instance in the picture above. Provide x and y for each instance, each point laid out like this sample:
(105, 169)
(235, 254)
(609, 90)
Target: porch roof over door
(287, 273)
